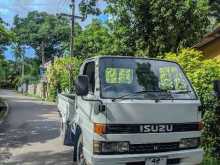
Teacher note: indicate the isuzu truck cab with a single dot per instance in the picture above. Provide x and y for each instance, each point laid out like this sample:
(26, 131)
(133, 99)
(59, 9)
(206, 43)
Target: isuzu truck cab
(132, 111)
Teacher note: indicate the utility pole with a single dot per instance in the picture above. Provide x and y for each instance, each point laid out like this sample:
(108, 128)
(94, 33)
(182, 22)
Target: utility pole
(22, 53)
(22, 68)
(72, 17)
(72, 27)
(22, 73)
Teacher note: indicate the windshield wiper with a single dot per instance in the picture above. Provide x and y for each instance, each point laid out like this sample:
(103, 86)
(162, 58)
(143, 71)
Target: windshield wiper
(181, 92)
(140, 92)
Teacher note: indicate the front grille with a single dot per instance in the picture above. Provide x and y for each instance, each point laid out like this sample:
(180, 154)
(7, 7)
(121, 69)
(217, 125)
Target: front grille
(136, 128)
(123, 128)
(153, 148)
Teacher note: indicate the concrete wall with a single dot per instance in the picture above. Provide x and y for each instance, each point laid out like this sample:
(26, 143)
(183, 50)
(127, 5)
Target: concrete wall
(32, 89)
(39, 90)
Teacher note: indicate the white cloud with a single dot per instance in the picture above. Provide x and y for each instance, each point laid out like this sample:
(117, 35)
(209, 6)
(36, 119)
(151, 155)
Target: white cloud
(4, 11)
(22, 7)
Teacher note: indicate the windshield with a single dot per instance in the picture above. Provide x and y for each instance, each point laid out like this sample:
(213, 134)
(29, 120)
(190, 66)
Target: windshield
(138, 78)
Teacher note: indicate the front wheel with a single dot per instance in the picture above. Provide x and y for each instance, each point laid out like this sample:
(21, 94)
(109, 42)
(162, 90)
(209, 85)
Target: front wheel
(80, 159)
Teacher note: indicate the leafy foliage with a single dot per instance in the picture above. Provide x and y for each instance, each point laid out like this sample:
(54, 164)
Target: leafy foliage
(94, 40)
(60, 72)
(202, 73)
(43, 32)
(5, 66)
(153, 27)
(215, 9)
(5, 36)
(210, 160)
(89, 7)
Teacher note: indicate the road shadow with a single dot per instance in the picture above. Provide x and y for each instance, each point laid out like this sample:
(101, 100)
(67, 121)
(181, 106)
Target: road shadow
(42, 158)
(29, 132)
(36, 123)
(29, 121)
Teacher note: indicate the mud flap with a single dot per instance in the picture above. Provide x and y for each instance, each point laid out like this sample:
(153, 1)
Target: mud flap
(68, 138)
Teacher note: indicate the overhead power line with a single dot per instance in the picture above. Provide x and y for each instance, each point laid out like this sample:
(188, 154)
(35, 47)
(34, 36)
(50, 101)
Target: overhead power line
(72, 16)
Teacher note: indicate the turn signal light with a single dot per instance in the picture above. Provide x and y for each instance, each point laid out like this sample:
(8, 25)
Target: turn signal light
(100, 129)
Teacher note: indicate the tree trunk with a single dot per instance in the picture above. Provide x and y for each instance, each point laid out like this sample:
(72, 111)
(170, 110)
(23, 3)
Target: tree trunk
(43, 53)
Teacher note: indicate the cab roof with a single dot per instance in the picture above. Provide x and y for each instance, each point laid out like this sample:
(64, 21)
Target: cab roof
(127, 57)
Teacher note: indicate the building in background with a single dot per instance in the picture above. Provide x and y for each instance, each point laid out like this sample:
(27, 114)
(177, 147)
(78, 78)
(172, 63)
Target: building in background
(210, 44)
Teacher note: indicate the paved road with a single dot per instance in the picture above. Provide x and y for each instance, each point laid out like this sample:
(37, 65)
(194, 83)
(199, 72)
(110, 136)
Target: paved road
(30, 135)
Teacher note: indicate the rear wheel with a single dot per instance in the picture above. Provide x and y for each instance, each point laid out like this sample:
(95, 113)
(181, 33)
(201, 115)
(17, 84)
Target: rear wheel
(80, 159)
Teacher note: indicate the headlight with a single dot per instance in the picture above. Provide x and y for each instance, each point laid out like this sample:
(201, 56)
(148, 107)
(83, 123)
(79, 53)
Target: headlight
(189, 143)
(110, 147)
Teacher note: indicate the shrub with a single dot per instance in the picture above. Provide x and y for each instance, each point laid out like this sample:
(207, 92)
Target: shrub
(208, 160)
(202, 72)
(61, 73)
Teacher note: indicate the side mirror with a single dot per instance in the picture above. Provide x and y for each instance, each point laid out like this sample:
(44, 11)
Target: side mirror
(82, 85)
(216, 87)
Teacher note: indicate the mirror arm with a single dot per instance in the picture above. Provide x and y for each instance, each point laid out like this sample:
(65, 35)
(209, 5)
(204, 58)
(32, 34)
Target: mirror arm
(85, 99)
(101, 108)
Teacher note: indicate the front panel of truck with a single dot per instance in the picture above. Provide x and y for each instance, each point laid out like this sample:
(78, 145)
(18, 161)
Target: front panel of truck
(148, 114)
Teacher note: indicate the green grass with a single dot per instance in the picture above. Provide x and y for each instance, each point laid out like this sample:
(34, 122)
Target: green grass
(210, 161)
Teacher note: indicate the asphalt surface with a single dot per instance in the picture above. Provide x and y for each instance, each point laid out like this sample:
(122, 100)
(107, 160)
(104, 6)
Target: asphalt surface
(30, 135)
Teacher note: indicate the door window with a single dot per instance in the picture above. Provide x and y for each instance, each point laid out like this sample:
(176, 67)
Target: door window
(89, 70)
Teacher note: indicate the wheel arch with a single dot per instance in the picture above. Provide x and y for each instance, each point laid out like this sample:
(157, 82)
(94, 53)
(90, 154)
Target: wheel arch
(76, 135)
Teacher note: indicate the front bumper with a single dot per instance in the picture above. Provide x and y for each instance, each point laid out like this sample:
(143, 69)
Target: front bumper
(185, 157)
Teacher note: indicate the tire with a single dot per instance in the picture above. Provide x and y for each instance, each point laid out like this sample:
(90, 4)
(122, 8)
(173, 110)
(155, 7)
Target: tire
(80, 159)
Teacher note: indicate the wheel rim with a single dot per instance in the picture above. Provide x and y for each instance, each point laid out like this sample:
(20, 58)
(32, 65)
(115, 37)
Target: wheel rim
(81, 156)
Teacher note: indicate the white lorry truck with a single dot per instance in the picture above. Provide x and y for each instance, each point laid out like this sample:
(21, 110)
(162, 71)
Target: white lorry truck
(132, 111)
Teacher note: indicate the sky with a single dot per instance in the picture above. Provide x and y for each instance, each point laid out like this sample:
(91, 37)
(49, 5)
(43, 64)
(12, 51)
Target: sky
(10, 8)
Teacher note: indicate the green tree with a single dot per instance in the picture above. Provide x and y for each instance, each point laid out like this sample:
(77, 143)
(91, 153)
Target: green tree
(5, 39)
(153, 27)
(94, 40)
(31, 69)
(89, 7)
(5, 36)
(43, 32)
(215, 9)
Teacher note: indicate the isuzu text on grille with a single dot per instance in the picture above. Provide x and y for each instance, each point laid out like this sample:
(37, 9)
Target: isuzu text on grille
(155, 128)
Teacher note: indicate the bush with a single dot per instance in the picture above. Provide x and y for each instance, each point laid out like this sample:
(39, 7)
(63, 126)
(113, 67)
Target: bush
(61, 73)
(210, 161)
(202, 72)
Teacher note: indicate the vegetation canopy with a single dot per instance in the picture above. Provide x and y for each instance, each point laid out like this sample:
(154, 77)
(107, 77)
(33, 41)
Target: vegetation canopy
(202, 73)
